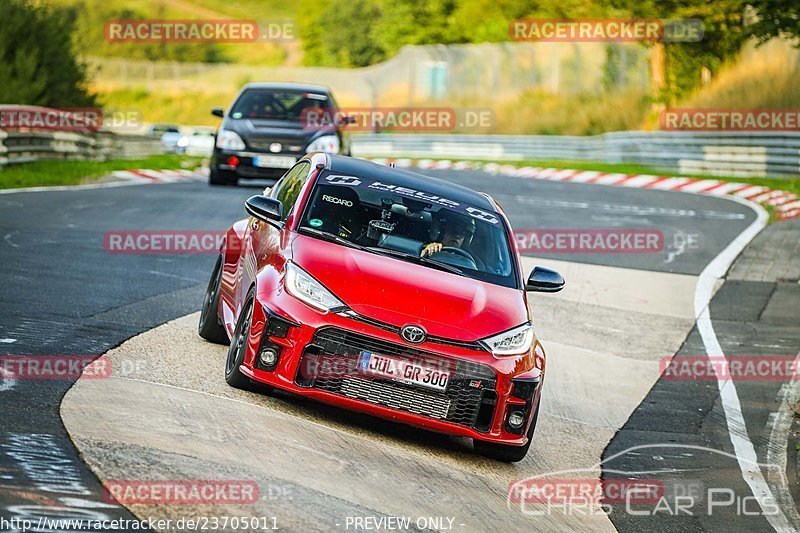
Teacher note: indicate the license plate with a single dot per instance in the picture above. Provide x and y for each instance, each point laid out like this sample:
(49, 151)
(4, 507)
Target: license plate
(382, 366)
(273, 161)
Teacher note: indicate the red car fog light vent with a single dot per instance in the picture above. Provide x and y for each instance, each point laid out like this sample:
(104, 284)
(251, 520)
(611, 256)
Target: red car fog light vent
(268, 355)
(524, 388)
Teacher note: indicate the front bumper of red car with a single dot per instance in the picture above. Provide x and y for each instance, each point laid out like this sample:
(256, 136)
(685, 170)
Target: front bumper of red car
(318, 355)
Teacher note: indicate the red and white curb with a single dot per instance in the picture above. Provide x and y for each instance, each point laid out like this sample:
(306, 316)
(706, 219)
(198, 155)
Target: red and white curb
(158, 176)
(786, 204)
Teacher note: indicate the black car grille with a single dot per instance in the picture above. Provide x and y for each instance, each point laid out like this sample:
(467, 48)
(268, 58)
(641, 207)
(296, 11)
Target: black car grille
(287, 145)
(469, 400)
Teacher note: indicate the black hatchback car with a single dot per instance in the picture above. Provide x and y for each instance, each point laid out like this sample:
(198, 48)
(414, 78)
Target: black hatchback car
(267, 129)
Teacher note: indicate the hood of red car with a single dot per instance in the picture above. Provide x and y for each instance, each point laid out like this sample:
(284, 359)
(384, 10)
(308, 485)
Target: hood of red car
(398, 292)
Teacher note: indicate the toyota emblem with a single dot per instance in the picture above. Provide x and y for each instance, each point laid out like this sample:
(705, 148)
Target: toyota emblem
(275, 147)
(413, 334)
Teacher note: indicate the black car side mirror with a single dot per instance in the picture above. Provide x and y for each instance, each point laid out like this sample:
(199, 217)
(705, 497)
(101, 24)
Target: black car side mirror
(264, 208)
(544, 280)
(218, 112)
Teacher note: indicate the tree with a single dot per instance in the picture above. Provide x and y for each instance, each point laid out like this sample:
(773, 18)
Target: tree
(38, 64)
(682, 62)
(90, 37)
(341, 33)
(775, 18)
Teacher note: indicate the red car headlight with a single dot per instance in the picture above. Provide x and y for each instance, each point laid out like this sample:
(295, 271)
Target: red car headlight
(305, 288)
(512, 342)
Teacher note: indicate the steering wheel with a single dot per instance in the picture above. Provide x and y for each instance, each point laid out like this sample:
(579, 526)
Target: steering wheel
(458, 251)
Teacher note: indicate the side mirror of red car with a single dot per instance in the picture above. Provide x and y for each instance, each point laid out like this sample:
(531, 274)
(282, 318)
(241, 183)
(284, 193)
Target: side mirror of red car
(264, 208)
(544, 280)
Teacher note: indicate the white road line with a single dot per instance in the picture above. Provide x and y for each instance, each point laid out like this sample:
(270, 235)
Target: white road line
(7, 380)
(737, 429)
(8, 240)
(780, 423)
(8, 341)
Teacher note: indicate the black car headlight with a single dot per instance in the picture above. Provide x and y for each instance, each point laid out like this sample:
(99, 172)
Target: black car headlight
(228, 140)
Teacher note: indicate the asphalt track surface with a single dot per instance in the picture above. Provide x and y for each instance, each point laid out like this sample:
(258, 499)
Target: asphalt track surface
(62, 293)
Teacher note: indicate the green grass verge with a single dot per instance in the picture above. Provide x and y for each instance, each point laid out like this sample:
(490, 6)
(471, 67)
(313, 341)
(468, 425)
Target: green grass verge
(43, 173)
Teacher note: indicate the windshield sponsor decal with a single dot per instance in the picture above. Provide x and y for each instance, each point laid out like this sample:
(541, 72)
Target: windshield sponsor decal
(343, 180)
(335, 200)
(407, 192)
(482, 215)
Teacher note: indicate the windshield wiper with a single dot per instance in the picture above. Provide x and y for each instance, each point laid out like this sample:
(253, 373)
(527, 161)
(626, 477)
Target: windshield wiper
(331, 237)
(415, 258)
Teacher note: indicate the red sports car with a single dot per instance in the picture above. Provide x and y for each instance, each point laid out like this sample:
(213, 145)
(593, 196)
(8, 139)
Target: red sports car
(386, 292)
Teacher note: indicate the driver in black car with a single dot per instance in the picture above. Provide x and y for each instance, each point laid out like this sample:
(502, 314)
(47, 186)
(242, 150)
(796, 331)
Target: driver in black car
(457, 232)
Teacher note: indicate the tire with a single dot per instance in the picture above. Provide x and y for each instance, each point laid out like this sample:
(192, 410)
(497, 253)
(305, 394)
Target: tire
(234, 376)
(210, 326)
(218, 177)
(506, 452)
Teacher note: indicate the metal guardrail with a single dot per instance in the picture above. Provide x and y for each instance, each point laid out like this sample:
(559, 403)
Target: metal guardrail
(83, 139)
(715, 153)
(28, 146)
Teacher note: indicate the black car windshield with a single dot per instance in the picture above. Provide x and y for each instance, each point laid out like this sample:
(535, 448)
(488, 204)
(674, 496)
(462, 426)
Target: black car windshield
(411, 225)
(278, 104)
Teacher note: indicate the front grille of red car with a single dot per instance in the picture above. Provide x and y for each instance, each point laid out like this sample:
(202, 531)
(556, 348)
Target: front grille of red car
(469, 400)
(349, 313)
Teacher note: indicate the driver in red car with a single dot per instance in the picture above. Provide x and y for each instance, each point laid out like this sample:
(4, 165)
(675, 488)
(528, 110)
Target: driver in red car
(457, 232)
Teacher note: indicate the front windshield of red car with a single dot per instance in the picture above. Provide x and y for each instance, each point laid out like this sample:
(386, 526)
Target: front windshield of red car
(407, 225)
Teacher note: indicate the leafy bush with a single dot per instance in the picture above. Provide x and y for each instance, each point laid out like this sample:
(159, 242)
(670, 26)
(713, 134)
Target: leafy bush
(38, 64)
